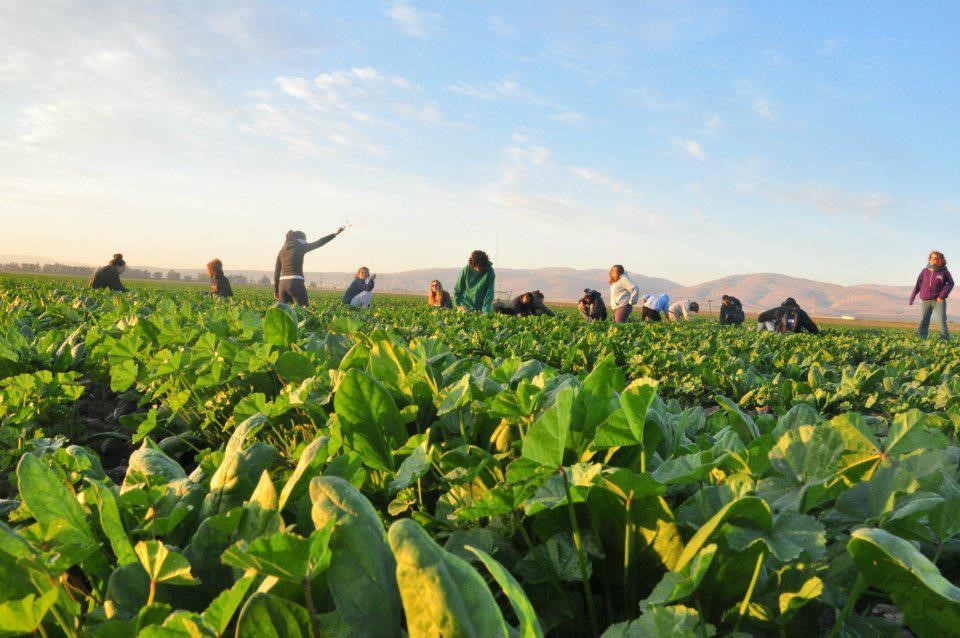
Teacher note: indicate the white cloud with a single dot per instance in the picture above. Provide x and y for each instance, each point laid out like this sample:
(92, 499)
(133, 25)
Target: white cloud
(835, 201)
(411, 20)
(756, 101)
(655, 100)
(714, 124)
(569, 117)
(500, 26)
(603, 179)
(507, 88)
(692, 147)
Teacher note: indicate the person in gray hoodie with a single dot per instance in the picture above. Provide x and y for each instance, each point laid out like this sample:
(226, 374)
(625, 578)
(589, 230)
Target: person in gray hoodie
(288, 284)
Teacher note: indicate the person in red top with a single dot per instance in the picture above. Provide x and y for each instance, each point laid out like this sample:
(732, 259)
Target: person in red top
(934, 286)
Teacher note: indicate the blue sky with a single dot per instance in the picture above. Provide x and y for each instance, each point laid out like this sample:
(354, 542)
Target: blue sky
(688, 140)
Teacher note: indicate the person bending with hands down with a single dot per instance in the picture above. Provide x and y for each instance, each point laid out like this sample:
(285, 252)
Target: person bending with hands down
(474, 289)
(934, 286)
(681, 310)
(788, 317)
(525, 305)
(624, 294)
(655, 306)
(591, 305)
(731, 311)
(360, 291)
(109, 276)
(288, 283)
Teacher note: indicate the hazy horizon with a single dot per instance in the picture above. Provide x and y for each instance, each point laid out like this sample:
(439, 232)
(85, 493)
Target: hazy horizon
(688, 140)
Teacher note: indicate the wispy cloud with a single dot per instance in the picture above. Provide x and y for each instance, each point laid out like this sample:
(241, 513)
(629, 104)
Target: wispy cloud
(411, 20)
(692, 147)
(655, 100)
(713, 125)
(604, 180)
(569, 117)
(835, 201)
(756, 101)
(500, 26)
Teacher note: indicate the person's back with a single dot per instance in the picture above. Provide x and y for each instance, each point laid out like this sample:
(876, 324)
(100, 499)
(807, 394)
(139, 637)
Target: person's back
(681, 310)
(221, 287)
(731, 311)
(789, 317)
(109, 276)
(288, 282)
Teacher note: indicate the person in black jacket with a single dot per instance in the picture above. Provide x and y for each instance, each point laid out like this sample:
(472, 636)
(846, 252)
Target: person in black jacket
(219, 284)
(360, 291)
(109, 275)
(788, 317)
(529, 303)
(731, 311)
(591, 305)
(288, 284)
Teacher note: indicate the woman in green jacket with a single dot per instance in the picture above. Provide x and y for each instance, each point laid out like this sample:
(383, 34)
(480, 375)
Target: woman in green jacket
(474, 289)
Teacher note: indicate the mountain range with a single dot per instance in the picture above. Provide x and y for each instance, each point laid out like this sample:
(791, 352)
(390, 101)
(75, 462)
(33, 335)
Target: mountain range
(757, 291)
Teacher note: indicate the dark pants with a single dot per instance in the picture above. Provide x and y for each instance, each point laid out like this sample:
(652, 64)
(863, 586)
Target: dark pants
(938, 311)
(501, 308)
(649, 314)
(621, 314)
(294, 291)
(731, 318)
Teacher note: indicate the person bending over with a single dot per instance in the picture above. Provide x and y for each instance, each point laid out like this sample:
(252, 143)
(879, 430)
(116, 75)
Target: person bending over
(681, 310)
(654, 307)
(788, 317)
(360, 291)
(438, 297)
(731, 311)
(934, 286)
(525, 305)
(623, 294)
(591, 305)
(109, 276)
(288, 284)
(219, 284)
(474, 289)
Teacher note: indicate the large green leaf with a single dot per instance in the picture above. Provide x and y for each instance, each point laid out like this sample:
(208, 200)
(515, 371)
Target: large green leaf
(280, 326)
(529, 624)
(442, 594)
(361, 565)
(929, 602)
(266, 616)
(546, 440)
(164, 564)
(49, 501)
(311, 462)
(239, 473)
(370, 419)
(749, 509)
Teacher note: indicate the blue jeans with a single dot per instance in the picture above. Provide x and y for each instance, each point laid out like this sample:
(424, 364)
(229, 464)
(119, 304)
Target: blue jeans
(936, 309)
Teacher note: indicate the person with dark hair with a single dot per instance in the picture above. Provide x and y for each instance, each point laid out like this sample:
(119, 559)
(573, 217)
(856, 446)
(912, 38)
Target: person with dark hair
(731, 311)
(360, 291)
(529, 303)
(788, 317)
(623, 293)
(438, 298)
(591, 305)
(682, 310)
(474, 289)
(288, 283)
(109, 276)
(219, 284)
(933, 285)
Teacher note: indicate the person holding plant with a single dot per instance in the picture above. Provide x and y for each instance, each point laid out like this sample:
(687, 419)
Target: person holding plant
(438, 297)
(731, 311)
(219, 284)
(109, 276)
(288, 283)
(360, 291)
(474, 289)
(681, 310)
(934, 285)
(624, 294)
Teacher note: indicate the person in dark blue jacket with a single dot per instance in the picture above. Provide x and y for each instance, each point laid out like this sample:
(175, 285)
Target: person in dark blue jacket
(360, 291)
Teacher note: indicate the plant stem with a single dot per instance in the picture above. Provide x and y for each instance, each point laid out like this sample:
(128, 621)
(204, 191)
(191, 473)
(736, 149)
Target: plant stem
(627, 557)
(753, 583)
(308, 595)
(581, 557)
(859, 586)
(152, 593)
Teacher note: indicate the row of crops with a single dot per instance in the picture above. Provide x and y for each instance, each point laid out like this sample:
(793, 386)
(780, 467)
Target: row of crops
(175, 465)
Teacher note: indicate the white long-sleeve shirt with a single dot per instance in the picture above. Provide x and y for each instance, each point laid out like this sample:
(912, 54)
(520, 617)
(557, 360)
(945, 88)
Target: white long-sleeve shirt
(623, 291)
(679, 309)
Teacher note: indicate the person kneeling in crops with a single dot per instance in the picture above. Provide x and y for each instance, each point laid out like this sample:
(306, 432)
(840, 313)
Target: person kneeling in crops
(438, 298)
(474, 289)
(529, 303)
(591, 305)
(681, 310)
(219, 284)
(288, 284)
(109, 275)
(788, 317)
(360, 291)
(731, 311)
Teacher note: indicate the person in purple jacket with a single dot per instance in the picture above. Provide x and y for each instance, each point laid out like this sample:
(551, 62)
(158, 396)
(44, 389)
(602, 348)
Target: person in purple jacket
(933, 285)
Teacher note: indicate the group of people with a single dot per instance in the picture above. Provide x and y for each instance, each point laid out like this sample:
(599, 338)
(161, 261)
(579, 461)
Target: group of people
(474, 292)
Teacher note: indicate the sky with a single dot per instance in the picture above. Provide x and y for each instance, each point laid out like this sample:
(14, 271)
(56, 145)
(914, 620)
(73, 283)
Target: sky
(686, 140)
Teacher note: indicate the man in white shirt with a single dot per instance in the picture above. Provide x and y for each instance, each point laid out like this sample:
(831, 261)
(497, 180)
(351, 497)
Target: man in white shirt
(681, 310)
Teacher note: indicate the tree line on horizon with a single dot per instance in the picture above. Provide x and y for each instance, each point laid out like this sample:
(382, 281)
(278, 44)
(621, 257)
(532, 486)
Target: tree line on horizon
(129, 273)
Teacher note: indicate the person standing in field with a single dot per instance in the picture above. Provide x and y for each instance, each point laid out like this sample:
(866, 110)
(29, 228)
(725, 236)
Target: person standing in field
(474, 289)
(731, 311)
(109, 276)
(288, 283)
(624, 294)
(681, 310)
(934, 285)
(438, 298)
(219, 284)
(360, 291)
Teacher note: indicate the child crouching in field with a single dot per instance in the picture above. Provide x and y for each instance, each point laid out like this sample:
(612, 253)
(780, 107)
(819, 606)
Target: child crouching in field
(360, 292)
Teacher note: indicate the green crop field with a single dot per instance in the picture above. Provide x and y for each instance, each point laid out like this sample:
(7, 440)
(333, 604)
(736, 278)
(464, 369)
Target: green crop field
(178, 465)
